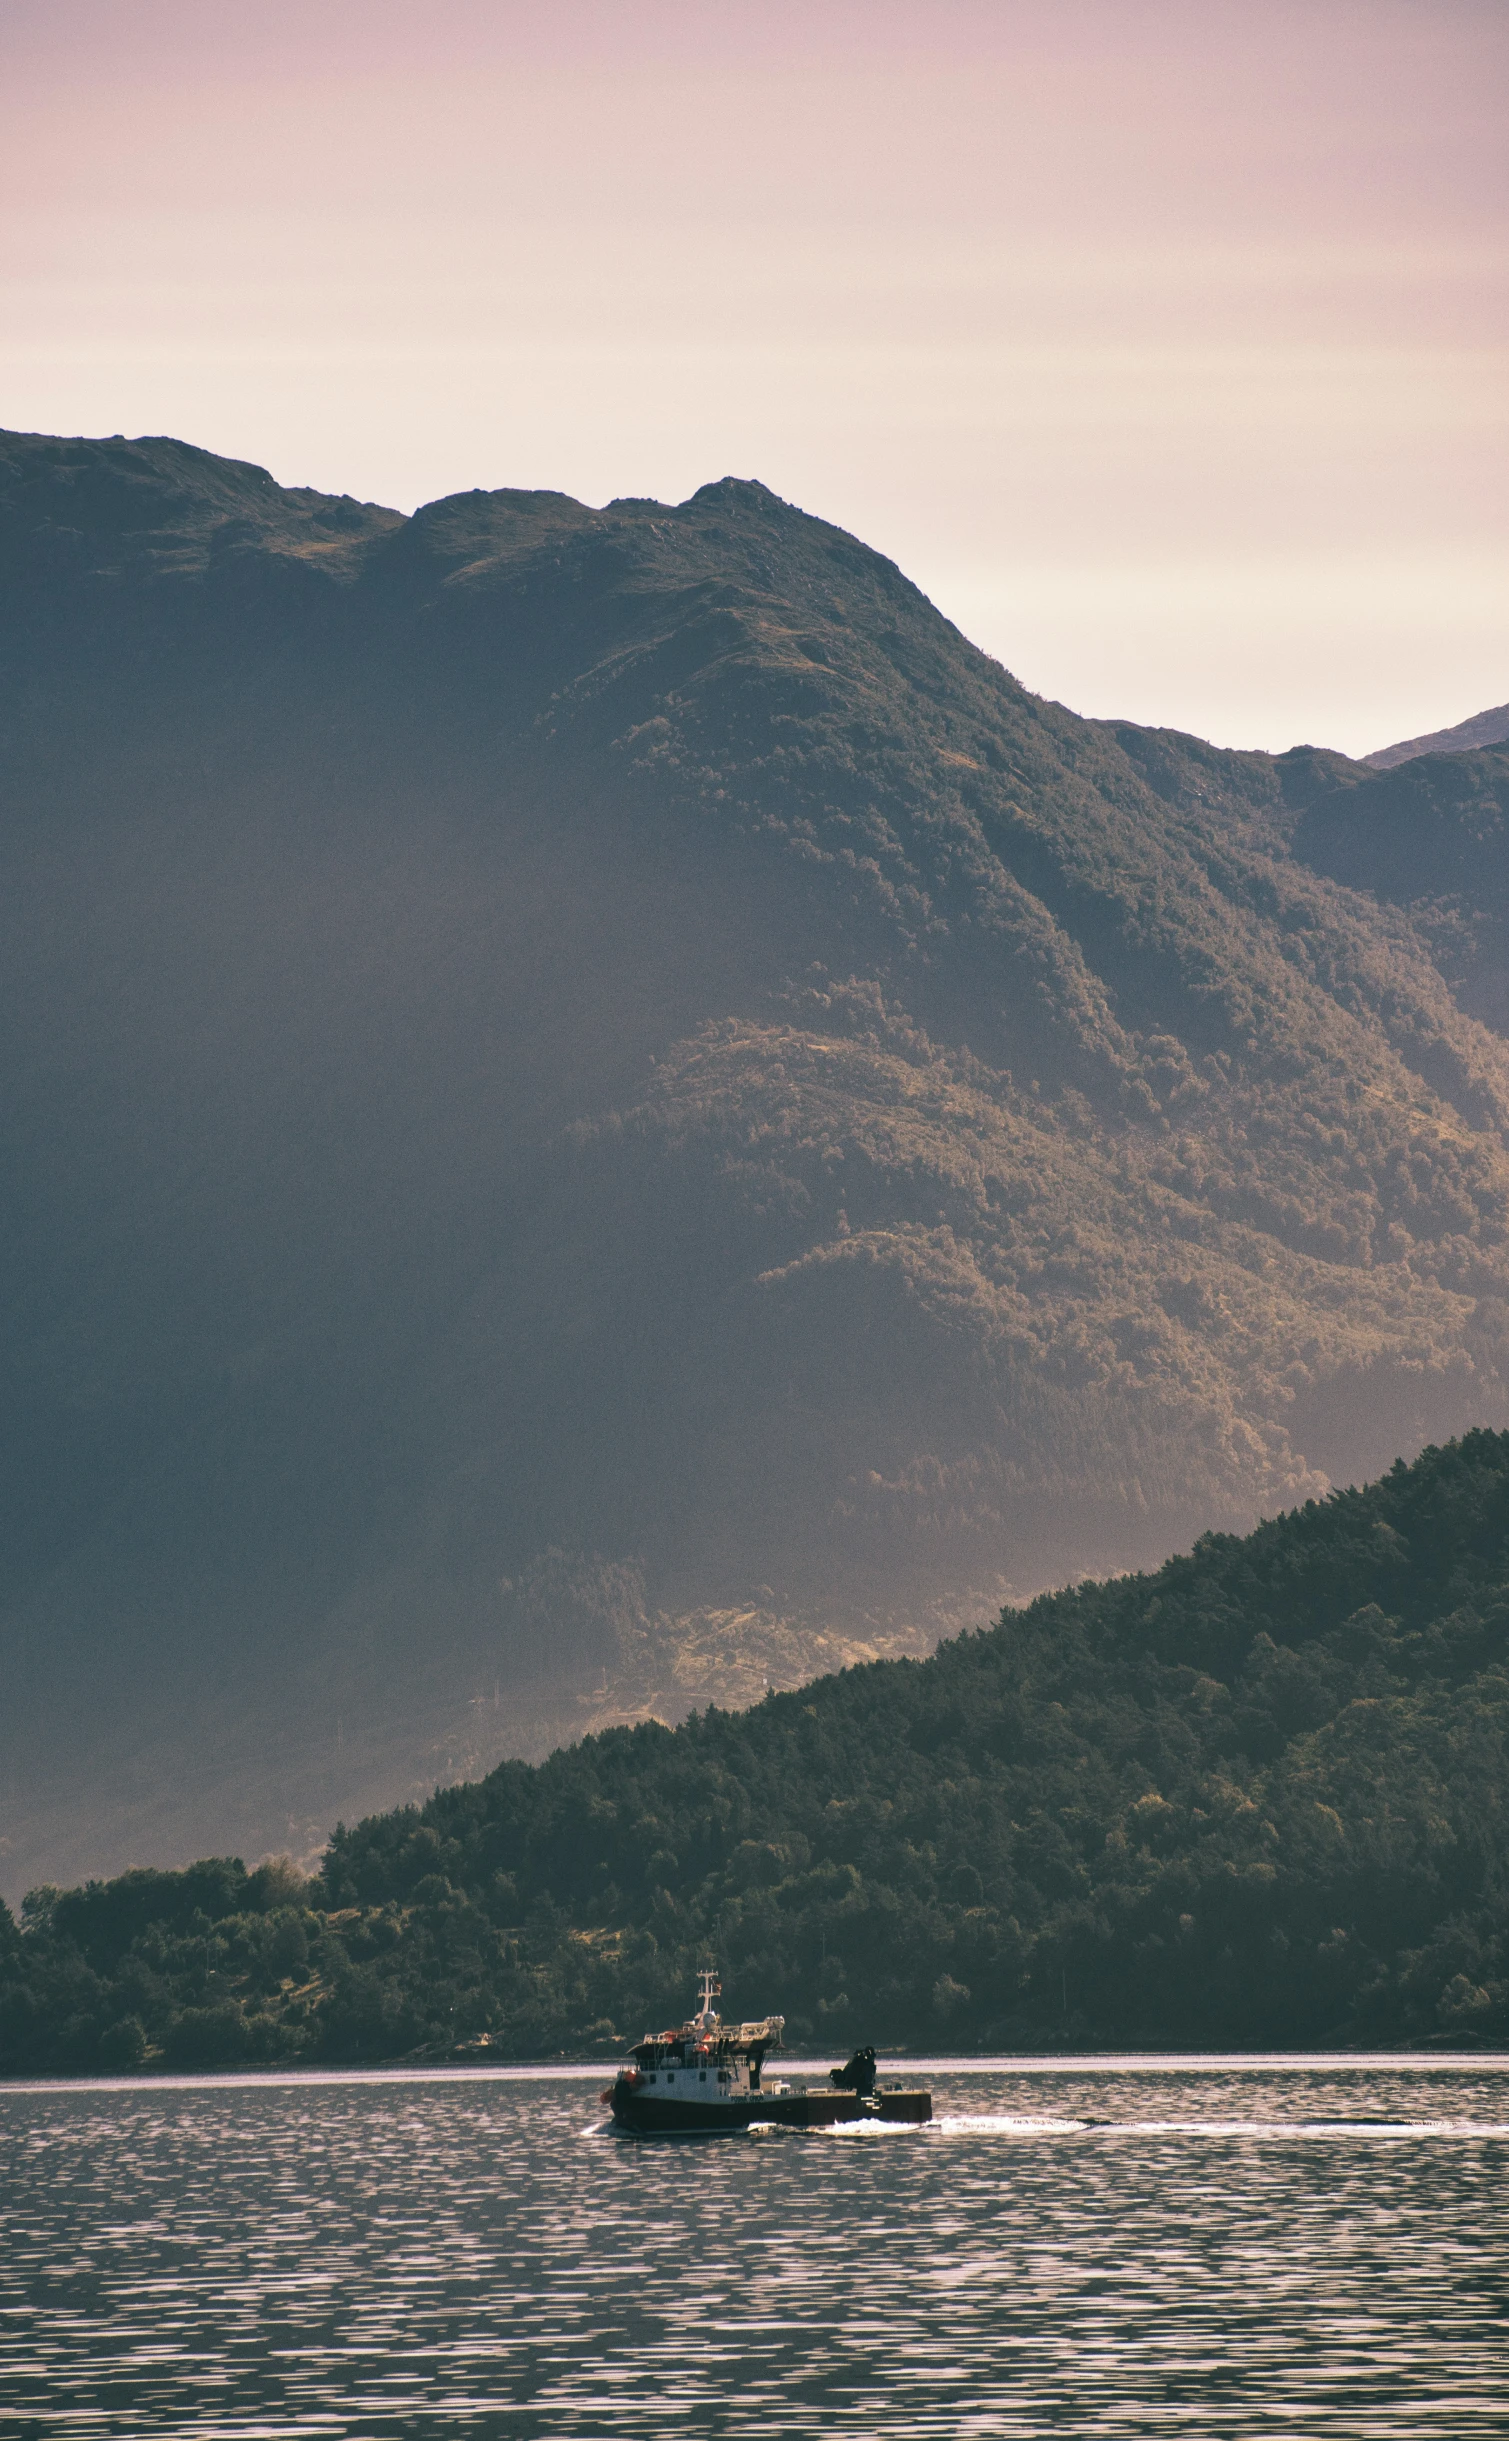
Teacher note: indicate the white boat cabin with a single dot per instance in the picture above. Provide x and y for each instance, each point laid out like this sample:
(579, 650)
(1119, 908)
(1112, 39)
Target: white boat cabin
(705, 2060)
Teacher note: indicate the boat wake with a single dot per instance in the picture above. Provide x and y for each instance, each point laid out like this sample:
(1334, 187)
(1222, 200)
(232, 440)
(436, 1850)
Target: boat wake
(1267, 2131)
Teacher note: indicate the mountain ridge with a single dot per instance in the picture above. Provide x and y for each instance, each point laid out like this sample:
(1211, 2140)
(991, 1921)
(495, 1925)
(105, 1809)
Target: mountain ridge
(1482, 729)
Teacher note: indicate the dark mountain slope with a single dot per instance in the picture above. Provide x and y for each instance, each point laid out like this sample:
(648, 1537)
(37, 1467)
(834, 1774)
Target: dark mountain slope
(1431, 836)
(595, 1098)
(1256, 1797)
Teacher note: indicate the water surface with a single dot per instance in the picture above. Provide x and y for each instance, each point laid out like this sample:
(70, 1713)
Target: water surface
(1099, 2248)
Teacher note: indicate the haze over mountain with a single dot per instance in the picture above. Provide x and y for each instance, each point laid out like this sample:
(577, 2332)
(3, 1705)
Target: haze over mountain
(600, 1110)
(1484, 729)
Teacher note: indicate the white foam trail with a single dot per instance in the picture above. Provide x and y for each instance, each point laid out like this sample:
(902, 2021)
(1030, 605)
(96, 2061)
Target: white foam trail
(1268, 2131)
(1006, 2123)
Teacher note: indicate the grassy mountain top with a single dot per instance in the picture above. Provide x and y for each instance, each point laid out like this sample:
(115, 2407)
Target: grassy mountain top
(1257, 1796)
(602, 1111)
(105, 512)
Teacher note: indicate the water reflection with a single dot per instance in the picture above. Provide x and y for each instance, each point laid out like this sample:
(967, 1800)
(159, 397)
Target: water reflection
(1101, 2250)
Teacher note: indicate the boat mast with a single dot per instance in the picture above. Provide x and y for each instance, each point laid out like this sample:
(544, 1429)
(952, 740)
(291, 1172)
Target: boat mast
(712, 1989)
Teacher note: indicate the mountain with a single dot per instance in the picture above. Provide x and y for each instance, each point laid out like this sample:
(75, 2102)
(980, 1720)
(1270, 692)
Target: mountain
(1258, 1797)
(1484, 729)
(601, 1113)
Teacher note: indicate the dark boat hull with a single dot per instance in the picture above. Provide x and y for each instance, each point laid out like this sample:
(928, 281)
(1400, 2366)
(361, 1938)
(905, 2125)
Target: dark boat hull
(819, 2109)
(641, 2114)
(652, 2115)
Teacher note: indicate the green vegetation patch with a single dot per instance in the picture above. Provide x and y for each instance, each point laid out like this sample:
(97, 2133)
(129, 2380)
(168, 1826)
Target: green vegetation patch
(1256, 1797)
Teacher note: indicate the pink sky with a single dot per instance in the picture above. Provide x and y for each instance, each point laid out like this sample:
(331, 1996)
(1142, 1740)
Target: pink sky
(1164, 344)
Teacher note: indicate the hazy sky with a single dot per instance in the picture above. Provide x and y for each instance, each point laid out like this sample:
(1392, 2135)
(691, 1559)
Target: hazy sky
(1164, 344)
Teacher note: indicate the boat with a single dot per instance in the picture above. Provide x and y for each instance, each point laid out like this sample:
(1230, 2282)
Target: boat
(707, 2078)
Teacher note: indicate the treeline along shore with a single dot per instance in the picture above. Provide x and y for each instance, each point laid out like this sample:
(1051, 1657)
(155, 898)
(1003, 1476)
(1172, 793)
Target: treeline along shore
(1256, 1797)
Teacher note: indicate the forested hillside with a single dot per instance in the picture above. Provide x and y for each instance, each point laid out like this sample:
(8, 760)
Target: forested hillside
(1257, 1797)
(601, 1113)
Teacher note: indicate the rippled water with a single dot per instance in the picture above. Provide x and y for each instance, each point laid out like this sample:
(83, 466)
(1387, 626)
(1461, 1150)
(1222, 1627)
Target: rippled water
(1182, 2248)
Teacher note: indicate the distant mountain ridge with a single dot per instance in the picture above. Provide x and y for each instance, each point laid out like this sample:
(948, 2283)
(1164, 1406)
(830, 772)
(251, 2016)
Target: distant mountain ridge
(603, 1112)
(1483, 729)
